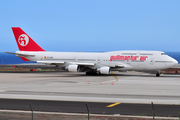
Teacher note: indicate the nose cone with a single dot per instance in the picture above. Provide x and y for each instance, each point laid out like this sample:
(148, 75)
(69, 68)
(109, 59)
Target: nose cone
(175, 62)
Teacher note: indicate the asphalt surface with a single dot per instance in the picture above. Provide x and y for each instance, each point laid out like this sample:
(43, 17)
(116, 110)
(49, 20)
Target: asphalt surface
(69, 92)
(94, 107)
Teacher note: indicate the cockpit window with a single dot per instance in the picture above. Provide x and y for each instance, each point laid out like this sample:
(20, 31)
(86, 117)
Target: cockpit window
(163, 54)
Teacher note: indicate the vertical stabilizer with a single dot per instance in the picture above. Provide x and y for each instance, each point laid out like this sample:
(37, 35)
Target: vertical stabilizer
(24, 42)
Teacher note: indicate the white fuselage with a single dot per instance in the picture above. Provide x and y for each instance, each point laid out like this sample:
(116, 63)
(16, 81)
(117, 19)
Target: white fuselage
(116, 60)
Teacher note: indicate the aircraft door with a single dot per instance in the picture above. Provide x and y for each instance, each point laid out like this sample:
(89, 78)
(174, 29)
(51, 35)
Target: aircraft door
(152, 61)
(42, 58)
(98, 60)
(128, 61)
(75, 59)
(138, 55)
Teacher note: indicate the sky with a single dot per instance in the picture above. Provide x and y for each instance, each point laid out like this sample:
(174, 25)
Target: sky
(93, 25)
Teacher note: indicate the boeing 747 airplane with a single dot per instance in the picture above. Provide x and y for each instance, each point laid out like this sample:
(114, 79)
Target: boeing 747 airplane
(92, 63)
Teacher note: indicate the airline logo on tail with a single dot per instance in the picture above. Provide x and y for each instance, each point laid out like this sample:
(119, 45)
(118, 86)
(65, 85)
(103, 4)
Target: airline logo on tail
(23, 40)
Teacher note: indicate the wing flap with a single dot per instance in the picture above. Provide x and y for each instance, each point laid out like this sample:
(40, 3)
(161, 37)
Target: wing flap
(85, 64)
(115, 65)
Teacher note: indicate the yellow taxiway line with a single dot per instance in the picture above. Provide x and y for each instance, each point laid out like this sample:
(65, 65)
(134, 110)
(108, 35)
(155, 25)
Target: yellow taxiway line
(114, 76)
(136, 72)
(111, 105)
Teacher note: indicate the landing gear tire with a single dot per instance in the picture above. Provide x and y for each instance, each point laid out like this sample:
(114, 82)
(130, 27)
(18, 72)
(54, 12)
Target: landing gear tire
(157, 74)
(91, 73)
(87, 73)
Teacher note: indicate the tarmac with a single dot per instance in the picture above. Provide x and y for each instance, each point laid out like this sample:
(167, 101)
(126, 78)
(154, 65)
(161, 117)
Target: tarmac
(125, 87)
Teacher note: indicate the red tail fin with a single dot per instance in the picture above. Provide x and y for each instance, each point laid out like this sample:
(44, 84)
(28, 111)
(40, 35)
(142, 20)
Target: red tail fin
(24, 42)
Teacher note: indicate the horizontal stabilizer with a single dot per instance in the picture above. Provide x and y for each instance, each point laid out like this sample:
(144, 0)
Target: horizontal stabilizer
(20, 55)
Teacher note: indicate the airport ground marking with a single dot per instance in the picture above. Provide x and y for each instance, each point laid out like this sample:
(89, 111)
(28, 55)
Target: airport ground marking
(114, 104)
(114, 76)
(136, 72)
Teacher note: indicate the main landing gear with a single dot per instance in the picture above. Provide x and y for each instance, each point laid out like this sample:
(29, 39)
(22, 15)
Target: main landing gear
(157, 74)
(91, 73)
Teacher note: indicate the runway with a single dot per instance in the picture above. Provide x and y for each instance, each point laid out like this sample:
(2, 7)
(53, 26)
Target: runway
(94, 107)
(128, 88)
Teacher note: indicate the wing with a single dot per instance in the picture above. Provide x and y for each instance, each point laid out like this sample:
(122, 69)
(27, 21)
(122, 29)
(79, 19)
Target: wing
(115, 65)
(62, 62)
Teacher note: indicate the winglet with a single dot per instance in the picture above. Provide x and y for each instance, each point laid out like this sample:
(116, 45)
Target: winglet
(24, 42)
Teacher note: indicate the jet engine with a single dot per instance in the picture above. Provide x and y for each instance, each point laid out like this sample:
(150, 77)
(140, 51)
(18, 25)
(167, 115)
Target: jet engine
(104, 70)
(72, 68)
